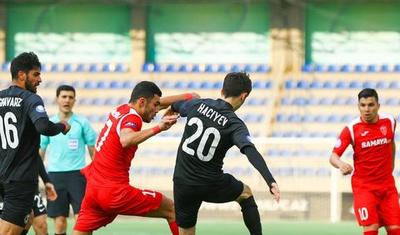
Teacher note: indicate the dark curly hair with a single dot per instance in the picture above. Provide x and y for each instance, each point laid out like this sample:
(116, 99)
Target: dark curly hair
(25, 61)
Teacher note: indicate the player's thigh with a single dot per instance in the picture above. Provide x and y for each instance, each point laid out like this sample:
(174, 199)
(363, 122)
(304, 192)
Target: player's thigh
(76, 185)
(95, 210)
(18, 202)
(39, 208)
(389, 209)
(366, 207)
(187, 199)
(227, 190)
(129, 200)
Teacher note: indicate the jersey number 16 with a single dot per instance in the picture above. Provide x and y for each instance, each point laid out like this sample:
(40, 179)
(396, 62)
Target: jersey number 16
(8, 131)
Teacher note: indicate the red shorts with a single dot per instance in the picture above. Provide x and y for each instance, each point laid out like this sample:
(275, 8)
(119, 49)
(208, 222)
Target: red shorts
(101, 205)
(377, 207)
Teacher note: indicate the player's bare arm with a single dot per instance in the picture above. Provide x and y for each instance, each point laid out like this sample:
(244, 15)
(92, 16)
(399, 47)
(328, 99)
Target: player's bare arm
(129, 137)
(165, 102)
(344, 167)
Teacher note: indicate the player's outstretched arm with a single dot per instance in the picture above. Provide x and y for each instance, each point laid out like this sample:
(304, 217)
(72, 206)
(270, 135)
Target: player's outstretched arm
(165, 102)
(258, 162)
(129, 137)
(336, 162)
(46, 127)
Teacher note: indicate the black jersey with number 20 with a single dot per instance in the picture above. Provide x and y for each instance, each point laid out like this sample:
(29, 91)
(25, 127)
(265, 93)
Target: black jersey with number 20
(211, 129)
(19, 140)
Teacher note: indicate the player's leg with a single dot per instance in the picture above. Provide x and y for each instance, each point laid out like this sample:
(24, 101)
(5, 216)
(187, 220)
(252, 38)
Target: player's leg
(187, 200)
(166, 210)
(59, 209)
(389, 211)
(39, 221)
(18, 201)
(95, 210)
(76, 190)
(365, 209)
(251, 216)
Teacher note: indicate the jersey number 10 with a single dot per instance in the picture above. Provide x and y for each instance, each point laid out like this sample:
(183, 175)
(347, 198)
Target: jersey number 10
(204, 137)
(8, 131)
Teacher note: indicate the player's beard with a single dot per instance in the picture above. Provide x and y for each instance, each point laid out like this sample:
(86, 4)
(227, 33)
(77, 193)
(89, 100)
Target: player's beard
(29, 86)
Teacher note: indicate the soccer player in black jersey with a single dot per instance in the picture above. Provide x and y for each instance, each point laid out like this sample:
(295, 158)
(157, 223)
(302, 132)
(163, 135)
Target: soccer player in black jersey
(22, 119)
(212, 128)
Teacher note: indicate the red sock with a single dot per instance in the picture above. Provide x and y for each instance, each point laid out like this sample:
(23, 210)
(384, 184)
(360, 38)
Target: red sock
(373, 232)
(394, 231)
(173, 227)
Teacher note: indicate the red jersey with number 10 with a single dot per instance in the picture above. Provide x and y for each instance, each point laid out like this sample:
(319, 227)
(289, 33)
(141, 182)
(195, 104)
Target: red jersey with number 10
(111, 161)
(372, 145)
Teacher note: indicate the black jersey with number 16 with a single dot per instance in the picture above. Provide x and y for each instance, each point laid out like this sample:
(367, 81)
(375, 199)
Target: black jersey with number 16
(211, 129)
(19, 140)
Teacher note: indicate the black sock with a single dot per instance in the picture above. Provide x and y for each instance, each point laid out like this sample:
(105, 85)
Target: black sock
(251, 216)
(60, 233)
(24, 232)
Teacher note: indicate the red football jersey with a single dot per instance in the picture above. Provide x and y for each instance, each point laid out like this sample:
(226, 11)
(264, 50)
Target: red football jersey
(372, 146)
(111, 161)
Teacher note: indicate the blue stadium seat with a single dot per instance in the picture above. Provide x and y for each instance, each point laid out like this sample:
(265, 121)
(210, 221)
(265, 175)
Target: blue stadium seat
(180, 85)
(302, 84)
(195, 68)
(333, 68)
(218, 85)
(286, 101)
(295, 118)
(369, 84)
(171, 68)
(128, 84)
(392, 101)
(385, 68)
(80, 68)
(68, 67)
(121, 68)
(209, 68)
(107, 67)
(5, 67)
(396, 68)
(339, 101)
(148, 67)
(281, 117)
(235, 68)
(290, 84)
(111, 101)
(300, 101)
(55, 68)
(261, 84)
(116, 85)
(222, 68)
(325, 101)
(328, 85)
(103, 84)
(341, 85)
(319, 68)
(345, 68)
(382, 85)
(307, 68)
(372, 68)
(194, 85)
(262, 68)
(248, 68)
(207, 85)
(394, 85)
(89, 84)
(359, 68)
(355, 84)
(315, 84)
(183, 68)
(94, 68)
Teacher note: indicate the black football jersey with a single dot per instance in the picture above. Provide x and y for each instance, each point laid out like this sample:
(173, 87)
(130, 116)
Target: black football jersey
(19, 140)
(211, 129)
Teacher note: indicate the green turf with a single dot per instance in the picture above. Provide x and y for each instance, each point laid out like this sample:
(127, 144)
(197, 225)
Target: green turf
(123, 226)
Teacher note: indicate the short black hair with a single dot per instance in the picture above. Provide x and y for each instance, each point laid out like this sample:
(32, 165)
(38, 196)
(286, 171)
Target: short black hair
(368, 92)
(25, 61)
(145, 89)
(236, 83)
(64, 88)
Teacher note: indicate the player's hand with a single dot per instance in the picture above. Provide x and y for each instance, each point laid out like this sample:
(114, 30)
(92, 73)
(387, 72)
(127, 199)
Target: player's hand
(345, 168)
(167, 122)
(67, 127)
(195, 95)
(50, 191)
(276, 194)
(169, 112)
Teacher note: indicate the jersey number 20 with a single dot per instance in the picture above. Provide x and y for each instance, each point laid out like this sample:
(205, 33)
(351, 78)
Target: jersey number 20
(204, 137)
(8, 131)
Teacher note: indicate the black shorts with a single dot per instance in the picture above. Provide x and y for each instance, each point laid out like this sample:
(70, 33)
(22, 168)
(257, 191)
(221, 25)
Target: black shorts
(70, 187)
(18, 201)
(188, 198)
(38, 206)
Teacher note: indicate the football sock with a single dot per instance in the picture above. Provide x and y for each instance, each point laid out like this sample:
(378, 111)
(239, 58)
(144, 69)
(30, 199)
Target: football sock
(173, 227)
(373, 232)
(251, 216)
(60, 233)
(24, 232)
(394, 231)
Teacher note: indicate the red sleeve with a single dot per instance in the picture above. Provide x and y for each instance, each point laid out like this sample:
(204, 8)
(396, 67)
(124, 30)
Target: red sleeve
(342, 142)
(131, 121)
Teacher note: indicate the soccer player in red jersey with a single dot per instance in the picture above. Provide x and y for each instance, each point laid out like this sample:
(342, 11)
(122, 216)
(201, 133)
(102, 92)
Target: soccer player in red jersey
(108, 192)
(376, 201)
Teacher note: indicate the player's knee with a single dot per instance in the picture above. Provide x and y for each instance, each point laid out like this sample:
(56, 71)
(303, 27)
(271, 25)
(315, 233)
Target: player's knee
(248, 203)
(245, 194)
